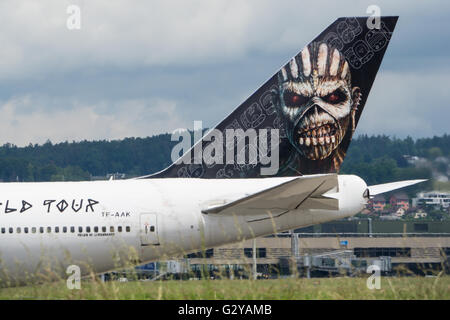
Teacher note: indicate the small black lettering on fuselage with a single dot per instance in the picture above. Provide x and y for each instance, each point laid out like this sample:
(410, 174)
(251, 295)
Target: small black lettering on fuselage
(117, 214)
(100, 234)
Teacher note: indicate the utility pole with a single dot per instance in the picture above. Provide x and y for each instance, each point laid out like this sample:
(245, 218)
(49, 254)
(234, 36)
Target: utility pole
(231, 271)
(294, 252)
(254, 260)
(294, 244)
(370, 227)
(308, 261)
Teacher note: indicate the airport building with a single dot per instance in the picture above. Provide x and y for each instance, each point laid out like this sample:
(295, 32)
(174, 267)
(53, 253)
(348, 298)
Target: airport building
(434, 198)
(346, 246)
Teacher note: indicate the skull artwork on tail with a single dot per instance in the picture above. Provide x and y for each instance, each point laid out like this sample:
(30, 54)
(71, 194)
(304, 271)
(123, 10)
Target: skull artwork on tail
(317, 102)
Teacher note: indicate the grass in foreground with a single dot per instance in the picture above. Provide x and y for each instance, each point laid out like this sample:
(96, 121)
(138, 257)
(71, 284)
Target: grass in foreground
(323, 288)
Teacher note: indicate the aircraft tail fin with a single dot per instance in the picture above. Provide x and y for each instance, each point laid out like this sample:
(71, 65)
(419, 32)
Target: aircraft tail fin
(301, 120)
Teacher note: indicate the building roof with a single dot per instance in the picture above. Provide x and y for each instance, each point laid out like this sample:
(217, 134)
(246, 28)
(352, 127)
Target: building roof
(379, 198)
(400, 196)
(433, 194)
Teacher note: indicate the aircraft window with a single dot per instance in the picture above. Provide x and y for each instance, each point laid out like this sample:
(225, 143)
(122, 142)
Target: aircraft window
(33, 230)
(49, 229)
(72, 229)
(127, 228)
(3, 230)
(95, 229)
(18, 230)
(10, 230)
(57, 229)
(80, 229)
(64, 229)
(119, 229)
(103, 229)
(111, 229)
(41, 230)
(25, 230)
(88, 229)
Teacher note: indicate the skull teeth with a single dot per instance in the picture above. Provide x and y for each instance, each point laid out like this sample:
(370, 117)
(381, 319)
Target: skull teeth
(318, 137)
(319, 130)
(318, 134)
(320, 140)
(319, 151)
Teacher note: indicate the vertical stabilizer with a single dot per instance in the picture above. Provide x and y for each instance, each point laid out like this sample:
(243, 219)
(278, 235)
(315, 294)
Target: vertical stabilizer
(314, 103)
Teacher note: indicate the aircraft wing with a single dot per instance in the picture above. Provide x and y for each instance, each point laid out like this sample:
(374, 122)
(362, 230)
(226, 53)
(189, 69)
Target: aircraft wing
(305, 192)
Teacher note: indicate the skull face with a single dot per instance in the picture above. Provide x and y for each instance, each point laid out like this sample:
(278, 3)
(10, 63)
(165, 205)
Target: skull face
(317, 101)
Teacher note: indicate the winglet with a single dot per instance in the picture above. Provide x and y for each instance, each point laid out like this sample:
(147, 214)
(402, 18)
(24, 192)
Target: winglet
(386, 187)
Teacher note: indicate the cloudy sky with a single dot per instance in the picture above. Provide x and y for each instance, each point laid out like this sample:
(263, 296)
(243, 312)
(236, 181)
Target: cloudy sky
(139, 68)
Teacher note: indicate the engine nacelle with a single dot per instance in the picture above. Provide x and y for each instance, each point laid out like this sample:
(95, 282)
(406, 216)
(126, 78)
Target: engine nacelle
(352, 195)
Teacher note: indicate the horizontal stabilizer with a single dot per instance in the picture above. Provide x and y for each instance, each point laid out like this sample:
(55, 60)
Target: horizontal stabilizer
(386, 187)
(307, 192)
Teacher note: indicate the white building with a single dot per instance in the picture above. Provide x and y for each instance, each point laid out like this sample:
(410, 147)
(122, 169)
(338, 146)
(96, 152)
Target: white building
(420, 214)
(432, 198)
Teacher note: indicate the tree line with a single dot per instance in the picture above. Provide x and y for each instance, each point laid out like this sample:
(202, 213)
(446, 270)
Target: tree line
(377, 159)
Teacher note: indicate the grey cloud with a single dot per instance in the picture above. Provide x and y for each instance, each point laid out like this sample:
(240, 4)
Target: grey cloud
(26, 119)
(407, 104)
(200, 60)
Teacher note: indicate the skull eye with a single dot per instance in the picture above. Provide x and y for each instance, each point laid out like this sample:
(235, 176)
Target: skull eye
(337, 96)
(292, 99)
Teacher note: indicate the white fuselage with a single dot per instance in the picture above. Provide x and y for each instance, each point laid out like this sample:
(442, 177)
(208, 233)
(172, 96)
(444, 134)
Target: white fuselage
(98, 224)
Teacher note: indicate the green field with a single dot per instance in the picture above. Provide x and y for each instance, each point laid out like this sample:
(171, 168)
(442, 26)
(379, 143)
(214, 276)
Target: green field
(317, 288)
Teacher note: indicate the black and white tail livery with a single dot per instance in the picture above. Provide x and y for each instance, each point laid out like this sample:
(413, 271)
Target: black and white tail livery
(306, 113)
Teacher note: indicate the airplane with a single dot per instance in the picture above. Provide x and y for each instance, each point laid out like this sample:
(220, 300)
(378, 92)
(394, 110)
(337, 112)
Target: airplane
(312, 104)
